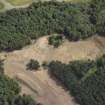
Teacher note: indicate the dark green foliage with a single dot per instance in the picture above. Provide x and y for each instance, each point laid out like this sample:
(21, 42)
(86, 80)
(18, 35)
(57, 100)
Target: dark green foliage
(17, 27)
(55, 40)
(33, 65)
(84, 79)
(97, 11)
(9, 91)
(1, 67)
(100, 25)
(74, 70)
(45, 65)
(24, 100)
(39, 104)
(11, 41)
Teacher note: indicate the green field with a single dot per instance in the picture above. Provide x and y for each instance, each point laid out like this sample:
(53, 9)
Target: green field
(1, 6)
(76, 1)
(19, 2)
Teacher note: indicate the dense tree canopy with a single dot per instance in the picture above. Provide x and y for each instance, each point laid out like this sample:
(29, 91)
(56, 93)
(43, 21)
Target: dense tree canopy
(17, 27)
(84, 79)
(97, 12)
(74, 21)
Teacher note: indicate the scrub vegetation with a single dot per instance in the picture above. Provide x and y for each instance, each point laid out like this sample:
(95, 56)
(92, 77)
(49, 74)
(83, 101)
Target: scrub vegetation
(9, 91)
(84, 79)
(33, 65)
(75, 21)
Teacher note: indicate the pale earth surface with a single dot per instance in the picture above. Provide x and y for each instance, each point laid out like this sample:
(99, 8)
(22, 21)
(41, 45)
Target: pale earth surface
(8, 6)
(39, 84)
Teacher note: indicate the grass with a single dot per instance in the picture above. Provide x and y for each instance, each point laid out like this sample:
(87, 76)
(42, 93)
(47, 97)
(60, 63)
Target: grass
(89, 73)
(77, 1)
(1, 6)
(19, 2)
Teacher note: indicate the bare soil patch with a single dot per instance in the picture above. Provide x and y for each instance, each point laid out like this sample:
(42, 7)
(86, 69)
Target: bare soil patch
(39, 84)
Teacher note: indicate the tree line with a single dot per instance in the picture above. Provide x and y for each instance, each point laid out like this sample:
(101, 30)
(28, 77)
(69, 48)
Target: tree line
(84, 79)
(74, 21)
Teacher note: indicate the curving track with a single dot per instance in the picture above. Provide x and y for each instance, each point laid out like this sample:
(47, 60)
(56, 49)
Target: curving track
(9, 6)
(39, 84)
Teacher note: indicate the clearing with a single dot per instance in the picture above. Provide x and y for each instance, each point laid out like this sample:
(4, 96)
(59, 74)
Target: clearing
(40, 84)
(19, 2)
(1, 6)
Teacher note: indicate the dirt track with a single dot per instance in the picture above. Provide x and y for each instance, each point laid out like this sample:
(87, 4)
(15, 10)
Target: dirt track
(39, 84)
(9, 6)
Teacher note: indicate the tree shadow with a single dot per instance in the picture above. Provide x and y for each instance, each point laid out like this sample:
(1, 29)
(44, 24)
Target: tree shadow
(61, 84)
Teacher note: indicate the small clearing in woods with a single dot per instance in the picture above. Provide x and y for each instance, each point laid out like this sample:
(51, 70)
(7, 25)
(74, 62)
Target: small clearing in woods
(39, 84)
(1, 6)
(20, 2)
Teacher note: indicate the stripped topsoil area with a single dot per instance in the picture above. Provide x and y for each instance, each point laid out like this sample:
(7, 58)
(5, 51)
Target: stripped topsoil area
(40, 84)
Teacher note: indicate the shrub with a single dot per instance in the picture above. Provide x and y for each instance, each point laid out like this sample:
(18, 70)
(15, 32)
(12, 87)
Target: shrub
(100, 25)
(55, 40)
(45, 65)
(97, 11)
(33, 65)
(24, 100)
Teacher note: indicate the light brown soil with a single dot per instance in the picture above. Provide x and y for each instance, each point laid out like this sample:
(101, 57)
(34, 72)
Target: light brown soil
(39, 84)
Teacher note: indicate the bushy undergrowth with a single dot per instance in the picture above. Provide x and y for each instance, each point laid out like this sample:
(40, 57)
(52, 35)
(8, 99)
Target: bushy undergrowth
(84, 79)
(55, 40)
(96, 10)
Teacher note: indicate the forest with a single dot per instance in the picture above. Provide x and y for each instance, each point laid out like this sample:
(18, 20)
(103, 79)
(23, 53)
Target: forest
(75, 21)
(84, 79)
(9, 91)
